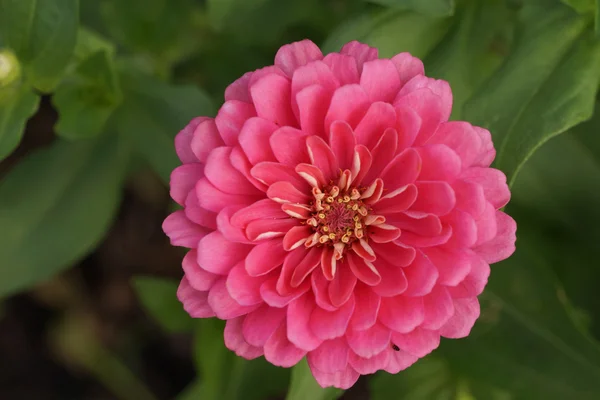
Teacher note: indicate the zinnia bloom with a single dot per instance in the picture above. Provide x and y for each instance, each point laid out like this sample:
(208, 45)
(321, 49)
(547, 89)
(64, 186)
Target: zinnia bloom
(333, 212)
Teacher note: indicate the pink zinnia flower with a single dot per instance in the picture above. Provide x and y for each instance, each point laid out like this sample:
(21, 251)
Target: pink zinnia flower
(333, 212)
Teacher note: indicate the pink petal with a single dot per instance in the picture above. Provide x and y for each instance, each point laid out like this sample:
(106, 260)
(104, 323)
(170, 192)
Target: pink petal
(313, 103)
(331, 356)
(342, 286)
(493, 182)
(311, 174)
(265, 71)
(470, 197)
(464, 229)
(380, 80)
(341, 379)
(265, 257)
(401, 313)
(420, 223)
(195, 303)
(462, 138)
(313, 73)
(213, 199)
(262, 209)
(383, 233)
(183, 141)
(218, 255)
(184, 179)
(402, 170)
(503, 245)
(291, 262)
(360, 51)
(240, 162)
(364, 250)
(272, 98)
(486, 225)
(439, 163)
(260, 324)
(198, 278)
(197, 214)
(466, 312)
(439, 87)
(331, 324)
(181, 231)
(408, 125)
(399, 361)
(439, 308)
(434, 197)
(488, 152)
(271, 296)
(413, 240)
(231, 232)
(234, 340)
(342, 143)
(419, 342)
(395, 254)
(421, 275)
(453, 267)
(349, 103)
(429, 106)
(383, 152)
(269, 228)
(294, 55)
(360, 164)
(303, 269)
(369, 342)
(243, 288)
(408, 66)
(298, 317)
(396, 202)
(285, 192)
(238, 90)
(322, 157)
(296, 237)
(320, 288)
(393, 281)
(475, 282)
(271, 172)
(365, 271)
(344, 68)
(230, 119)
(379, 117)
(254, 139)
(223, 304)
(280, 351)
(366, 309)
(365, 366)
(205, 139)
(289, 146)
(224, 176)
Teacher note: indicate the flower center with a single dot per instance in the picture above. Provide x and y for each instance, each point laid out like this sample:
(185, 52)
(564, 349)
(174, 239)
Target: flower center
(336, 216)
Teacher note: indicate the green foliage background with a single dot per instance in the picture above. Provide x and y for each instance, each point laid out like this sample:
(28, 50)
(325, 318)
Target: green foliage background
(126, 75)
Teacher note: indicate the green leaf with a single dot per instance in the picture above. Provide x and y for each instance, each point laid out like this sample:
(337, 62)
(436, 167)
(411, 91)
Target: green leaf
(429, 7)
(89, 43)
(546, 86)
(194, 391)
(55, 206)
(304, 385)
(43, 34)
(392, 32)
(87, 99)
(159, 298)
(597, 18)
(581, 6)
(226, 376)
(16, 106)
(154, 112)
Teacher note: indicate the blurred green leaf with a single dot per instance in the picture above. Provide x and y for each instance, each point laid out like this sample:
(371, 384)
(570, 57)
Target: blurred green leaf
(89, 42)
(43, 35)
(430, 7)
(581, 6)
(194, 391)
(304, 385)
(228, 377)
(152, 114)
(392, 32)
(159, 298)
(86, 100)
(547, 85)
(17, 104)
(55, 206)
(472, 50)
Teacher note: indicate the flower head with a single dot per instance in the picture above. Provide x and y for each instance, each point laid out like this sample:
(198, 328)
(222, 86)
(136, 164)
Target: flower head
(333, 212)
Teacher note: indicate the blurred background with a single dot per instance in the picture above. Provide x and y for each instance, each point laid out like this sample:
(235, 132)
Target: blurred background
(92, 93)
